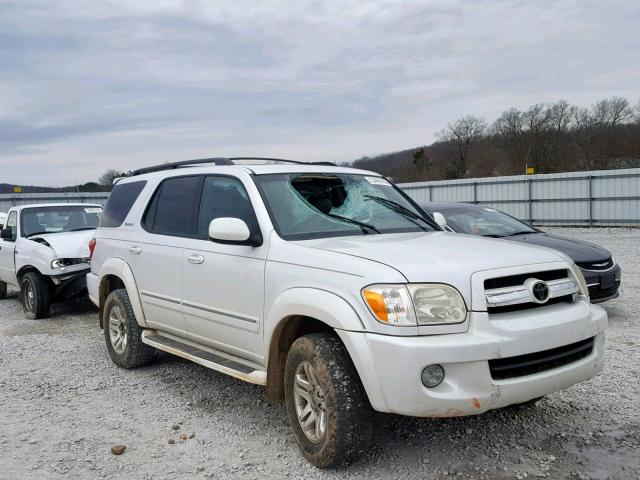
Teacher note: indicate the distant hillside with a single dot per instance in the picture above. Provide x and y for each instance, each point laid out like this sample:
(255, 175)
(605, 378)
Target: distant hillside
(549, 138)
(85, 188)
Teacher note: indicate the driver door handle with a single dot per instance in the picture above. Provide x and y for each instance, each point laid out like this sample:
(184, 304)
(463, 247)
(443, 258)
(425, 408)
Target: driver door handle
(135, 250)
(195, 259)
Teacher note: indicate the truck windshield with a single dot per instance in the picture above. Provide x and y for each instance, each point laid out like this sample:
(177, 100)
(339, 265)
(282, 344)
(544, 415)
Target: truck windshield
(56, 219)
(320, 205)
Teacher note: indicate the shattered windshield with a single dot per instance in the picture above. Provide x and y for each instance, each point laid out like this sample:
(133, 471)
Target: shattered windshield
(56, 219)
(306, 206)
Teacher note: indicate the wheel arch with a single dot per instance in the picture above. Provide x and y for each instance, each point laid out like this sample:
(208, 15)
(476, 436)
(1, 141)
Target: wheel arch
(116, 274)
(297, 312)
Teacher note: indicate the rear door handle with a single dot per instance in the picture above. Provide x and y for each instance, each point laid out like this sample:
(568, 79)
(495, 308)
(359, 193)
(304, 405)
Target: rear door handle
(135, 250)
(195, 259)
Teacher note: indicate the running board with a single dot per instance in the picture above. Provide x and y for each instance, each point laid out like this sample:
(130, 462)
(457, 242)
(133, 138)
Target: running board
(206, 358)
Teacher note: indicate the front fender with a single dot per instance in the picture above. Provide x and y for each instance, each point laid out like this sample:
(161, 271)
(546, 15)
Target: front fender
(119, 268)
(328, 307)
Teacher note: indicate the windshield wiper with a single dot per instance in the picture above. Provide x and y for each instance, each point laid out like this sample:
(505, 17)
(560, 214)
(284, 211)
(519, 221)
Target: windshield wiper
(402, 210)
(34, 234)
(495, 235)
(81, 228)
(363, 226)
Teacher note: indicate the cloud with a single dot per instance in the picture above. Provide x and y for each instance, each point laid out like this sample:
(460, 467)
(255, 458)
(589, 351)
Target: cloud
(92, 85)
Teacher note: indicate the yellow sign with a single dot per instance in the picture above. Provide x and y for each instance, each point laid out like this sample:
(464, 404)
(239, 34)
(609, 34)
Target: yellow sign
(17, 189)
(531, 170)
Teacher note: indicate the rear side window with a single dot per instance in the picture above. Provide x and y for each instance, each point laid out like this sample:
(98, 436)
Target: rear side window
(174, 207)
(120, 202)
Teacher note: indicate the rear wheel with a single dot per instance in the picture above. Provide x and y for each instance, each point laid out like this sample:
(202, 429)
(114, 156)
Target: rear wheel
(328, 409)
(35, 295)
(122, 333)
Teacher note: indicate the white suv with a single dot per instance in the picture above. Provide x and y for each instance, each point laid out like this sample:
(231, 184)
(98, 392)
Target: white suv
(332, 288)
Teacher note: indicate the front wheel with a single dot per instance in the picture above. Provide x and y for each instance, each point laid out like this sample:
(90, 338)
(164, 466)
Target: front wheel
(3, 290)
(36, 295)
(122, 333)
(328, 409)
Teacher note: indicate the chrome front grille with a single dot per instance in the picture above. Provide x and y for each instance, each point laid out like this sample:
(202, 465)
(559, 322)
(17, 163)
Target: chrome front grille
(529, 290)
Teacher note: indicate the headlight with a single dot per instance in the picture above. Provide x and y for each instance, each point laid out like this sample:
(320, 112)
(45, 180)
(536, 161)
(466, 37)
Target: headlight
(412, 305)
(67, 262)
(577, 273)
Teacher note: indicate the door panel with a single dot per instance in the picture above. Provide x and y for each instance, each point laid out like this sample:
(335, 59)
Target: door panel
(223, 297)
(223, 285)
(157, 269)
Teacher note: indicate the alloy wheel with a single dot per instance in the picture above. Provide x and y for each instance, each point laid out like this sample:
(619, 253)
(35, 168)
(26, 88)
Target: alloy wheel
(309, 401)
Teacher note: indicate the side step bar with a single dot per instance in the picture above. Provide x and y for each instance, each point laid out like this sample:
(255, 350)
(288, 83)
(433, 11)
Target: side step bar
(206, 358)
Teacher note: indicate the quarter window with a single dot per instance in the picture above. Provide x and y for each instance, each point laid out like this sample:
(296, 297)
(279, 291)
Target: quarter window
(120, 202)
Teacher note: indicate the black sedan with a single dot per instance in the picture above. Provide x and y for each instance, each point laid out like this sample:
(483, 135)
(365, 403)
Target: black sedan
(602, 274)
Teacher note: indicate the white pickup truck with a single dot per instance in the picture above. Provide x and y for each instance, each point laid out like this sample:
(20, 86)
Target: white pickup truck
(44, 252)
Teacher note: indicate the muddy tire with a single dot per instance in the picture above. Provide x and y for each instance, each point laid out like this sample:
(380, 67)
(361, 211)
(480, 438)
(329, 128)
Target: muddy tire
(3, 290)
(122, 333)
(35, 293)
(330, 415)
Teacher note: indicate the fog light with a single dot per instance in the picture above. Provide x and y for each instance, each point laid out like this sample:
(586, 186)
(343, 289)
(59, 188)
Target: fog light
(432, 376)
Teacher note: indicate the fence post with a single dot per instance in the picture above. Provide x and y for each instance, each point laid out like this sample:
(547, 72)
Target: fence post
(475, 193)
(590, 193)
(529, 198)
(431, 193)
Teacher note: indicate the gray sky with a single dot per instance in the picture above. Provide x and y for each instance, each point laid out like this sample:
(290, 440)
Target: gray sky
(85, 86)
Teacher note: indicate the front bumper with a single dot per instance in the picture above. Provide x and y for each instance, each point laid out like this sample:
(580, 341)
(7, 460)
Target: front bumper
(390, 366)
(603, 286)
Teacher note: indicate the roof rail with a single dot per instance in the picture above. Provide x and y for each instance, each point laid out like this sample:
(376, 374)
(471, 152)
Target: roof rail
(217, 161)
(282, 160)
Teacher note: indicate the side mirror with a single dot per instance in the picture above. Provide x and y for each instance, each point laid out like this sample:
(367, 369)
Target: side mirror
(440, 220)
(232, 231)
(6, 234)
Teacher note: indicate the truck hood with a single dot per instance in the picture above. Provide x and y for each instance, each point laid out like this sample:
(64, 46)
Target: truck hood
(67, 244)
(437, 256)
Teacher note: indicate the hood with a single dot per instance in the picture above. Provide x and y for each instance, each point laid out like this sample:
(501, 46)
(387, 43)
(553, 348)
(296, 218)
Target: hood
(67, 244)
(578, 250)
(437, 256)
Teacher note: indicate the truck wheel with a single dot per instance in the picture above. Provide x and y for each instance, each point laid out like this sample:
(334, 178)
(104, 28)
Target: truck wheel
(36, 295)
(328, 409)
(3, 290)
(122, 332)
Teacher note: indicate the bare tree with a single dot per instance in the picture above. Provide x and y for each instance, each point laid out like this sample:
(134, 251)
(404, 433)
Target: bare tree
(612, 112)
(462, 134)
(107, 178)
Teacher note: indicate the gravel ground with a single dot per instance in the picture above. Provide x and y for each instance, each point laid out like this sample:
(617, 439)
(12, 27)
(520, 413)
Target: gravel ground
(63, 405)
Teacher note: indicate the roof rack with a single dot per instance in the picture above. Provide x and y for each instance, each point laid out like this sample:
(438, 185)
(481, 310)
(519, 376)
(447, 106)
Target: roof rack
(218, 161)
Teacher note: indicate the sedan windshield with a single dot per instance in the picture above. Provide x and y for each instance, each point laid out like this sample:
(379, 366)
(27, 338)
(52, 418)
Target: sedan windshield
(56, 219)
(306, 206)
(486, 222)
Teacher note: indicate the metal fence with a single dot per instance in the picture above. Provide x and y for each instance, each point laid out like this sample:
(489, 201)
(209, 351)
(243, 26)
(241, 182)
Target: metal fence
(8, 200)
(605, 197)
